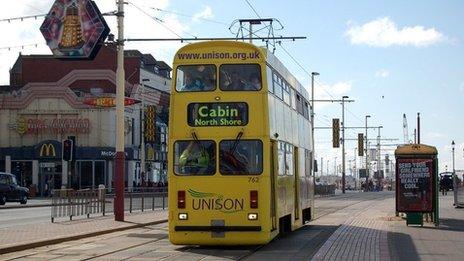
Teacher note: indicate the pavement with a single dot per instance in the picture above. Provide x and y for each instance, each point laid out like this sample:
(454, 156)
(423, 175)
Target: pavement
(34, 235)
(364, 228)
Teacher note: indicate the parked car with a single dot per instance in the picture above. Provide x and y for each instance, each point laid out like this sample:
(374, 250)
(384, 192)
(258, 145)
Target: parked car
(10, 191)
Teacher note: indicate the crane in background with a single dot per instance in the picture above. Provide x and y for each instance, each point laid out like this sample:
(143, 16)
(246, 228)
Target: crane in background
(405, 129)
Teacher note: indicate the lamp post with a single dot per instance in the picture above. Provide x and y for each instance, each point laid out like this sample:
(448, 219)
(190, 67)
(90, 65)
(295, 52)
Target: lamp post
(343, 143)
(367, 158)
(455, 185)
(379, 162)
(312, 123)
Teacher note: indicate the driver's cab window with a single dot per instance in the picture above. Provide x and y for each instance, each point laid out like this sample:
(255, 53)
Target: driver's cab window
(196, 78)
(195, 157)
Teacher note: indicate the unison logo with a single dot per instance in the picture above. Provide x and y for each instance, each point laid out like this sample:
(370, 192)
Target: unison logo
(213, 201)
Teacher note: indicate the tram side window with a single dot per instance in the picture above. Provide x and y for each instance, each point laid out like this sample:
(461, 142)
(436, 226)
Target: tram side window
(299, 104)
(306, 110)
(278, 86)
(195, 157)
(289, 159)
(286, 92)
(281, 159)
(241, 157)
(240, 77)
(270, 83)
(308, 161)
(196, 78)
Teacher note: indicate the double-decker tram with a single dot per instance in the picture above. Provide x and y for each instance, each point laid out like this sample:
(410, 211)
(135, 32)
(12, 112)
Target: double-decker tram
(240, 152)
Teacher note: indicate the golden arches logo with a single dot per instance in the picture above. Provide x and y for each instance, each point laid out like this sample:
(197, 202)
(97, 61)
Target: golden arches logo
(47, 150)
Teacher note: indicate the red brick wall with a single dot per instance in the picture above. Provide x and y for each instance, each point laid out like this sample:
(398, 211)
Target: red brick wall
(36, 68)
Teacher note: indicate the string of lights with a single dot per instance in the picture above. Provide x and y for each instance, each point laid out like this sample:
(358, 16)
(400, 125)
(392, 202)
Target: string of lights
(22, 18)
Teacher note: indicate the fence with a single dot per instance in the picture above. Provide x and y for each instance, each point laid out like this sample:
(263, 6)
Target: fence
(325, 190)
(71, 203)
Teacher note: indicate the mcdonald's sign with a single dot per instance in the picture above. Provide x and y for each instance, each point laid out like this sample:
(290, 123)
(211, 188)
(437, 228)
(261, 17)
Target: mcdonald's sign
(47, 150)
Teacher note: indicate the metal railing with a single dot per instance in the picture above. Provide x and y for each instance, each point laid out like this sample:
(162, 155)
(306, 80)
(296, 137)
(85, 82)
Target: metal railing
(142, 199)
(72, 203)
(324, 190)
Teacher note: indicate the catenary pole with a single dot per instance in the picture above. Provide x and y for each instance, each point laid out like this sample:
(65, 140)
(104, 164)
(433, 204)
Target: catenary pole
(119, 160)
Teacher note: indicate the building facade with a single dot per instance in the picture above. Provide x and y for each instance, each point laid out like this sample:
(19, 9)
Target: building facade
(48, 101)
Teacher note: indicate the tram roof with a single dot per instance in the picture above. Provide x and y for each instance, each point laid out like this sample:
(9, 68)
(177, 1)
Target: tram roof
(275, 63)
(417, 149)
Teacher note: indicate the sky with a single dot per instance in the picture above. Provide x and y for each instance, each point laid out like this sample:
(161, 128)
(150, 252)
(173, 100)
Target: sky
(391, 57)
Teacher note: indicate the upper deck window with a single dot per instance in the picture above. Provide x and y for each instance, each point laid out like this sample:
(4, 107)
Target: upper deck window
(196, 78)
(240, 77)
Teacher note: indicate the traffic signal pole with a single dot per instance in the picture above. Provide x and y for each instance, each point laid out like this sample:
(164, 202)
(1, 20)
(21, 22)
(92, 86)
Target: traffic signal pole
(120, 156)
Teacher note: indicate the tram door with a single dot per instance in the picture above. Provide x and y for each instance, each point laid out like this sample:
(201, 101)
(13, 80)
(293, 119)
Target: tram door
(296, 173)
(273, 172)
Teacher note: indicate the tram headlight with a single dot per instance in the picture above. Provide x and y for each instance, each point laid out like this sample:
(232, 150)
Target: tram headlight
(183, 216)
(252, 216)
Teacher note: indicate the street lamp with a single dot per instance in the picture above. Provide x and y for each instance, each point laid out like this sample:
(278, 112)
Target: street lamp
(312, 122)
(343, 143)
(379, 162)
(367, 158)
(455, 185)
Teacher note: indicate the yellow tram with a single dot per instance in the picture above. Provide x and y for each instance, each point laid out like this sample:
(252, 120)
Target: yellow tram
(240, 152)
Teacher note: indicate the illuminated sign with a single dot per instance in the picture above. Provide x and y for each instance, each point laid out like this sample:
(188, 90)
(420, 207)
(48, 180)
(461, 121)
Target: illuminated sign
(217, 114)
(150, 123)
(74, 29)
(213, 201)
(109, 101)
(51, 126)
(47, 150)
(414, 181)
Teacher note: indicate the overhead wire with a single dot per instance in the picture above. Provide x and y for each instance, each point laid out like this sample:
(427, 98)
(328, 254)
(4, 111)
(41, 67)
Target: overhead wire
(189, 16)
(252, 8)
(159, 21)
(302, 67)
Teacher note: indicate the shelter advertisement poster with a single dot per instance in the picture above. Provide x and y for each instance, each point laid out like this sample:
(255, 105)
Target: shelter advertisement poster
(414, 185)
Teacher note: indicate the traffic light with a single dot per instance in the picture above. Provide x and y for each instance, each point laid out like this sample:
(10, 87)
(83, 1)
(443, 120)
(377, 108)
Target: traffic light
(360, 144)
(336, 133)
(68, 147)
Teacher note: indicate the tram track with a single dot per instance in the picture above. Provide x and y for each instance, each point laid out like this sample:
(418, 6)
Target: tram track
(161, 232)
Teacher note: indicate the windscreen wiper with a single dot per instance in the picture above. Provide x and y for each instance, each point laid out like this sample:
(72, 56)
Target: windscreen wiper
(237, 140)
(195, 138)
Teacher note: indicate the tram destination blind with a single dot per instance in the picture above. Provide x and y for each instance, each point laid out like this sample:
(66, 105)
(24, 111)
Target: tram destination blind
(414, 185)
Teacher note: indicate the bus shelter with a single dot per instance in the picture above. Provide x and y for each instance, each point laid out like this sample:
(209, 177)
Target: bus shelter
(417, 183)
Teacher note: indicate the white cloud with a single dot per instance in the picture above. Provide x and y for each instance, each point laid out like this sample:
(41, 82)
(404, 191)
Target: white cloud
(461, 87)
(207, 13)
(383, 32)
(434, 135)
(382, 73)
(322, 90)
